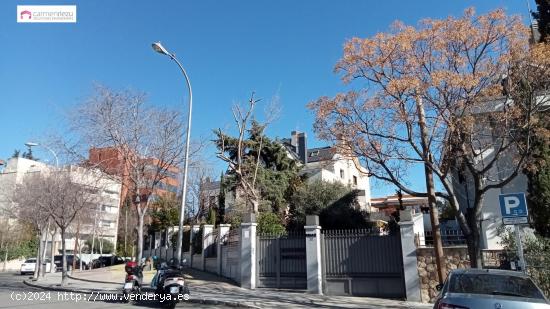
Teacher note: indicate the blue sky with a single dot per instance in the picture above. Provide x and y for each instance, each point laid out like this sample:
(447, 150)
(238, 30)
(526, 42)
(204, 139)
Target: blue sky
(229, 48)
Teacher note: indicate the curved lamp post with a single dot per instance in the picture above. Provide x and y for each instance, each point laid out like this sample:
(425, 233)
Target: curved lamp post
(31, 144)
(160, 49)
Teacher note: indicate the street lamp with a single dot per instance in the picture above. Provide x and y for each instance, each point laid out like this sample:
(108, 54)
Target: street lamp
(31, 144)
(160, 49)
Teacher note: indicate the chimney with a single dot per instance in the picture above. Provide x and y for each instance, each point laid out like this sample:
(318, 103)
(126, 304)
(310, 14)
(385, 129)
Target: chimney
(294, 140)
(299, 144)
(302, 147)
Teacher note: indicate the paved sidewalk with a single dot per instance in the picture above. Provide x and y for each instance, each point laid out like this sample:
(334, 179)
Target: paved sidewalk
(209, 288)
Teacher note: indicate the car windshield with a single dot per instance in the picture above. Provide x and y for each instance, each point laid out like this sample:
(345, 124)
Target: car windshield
(30, 261)
(493, 284)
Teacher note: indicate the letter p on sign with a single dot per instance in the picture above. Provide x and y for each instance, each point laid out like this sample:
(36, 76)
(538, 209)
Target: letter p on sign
(513, 205)
(510, 202)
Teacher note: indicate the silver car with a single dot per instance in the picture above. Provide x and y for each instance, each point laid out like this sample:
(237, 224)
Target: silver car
(489, 289)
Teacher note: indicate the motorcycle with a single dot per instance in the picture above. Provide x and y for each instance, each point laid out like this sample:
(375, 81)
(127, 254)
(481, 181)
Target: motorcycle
(170, 282)
(133, 281)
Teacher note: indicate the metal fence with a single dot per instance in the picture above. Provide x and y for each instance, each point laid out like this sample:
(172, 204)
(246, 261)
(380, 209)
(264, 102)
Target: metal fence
(282, 260)
(362, 263)
(448, 238)
(211, 249)
(230, 252)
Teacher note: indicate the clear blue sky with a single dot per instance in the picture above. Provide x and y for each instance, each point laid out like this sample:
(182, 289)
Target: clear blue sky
(229, 48)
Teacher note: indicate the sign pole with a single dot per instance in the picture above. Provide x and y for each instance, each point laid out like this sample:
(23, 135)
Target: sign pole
(519, 247)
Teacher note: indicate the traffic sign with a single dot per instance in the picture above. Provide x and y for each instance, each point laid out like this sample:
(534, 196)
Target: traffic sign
(513, 205)
(513, 208)
(514, 220)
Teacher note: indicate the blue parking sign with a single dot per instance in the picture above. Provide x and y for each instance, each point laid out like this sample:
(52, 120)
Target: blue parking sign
(513, 205)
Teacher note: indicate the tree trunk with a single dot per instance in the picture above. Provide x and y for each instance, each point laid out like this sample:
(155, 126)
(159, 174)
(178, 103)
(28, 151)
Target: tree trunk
(45, 246)
(92, 250)
(125, 228)
(37, 265)
(80, 254)
(430, 189)
(140, 237)
(74, 251)
(6, 258)
(52, 252)
(64, 277)
(100, 239)
(473, 240)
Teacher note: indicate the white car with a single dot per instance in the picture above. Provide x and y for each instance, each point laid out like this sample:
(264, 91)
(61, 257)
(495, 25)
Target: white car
(30, 264)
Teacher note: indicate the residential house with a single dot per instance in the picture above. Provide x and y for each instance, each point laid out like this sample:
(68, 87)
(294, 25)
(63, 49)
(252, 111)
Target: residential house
(327, 164)
(323, 163)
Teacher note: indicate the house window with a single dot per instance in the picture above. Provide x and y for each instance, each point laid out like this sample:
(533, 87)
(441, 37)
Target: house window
(342, 173)
(355, 180)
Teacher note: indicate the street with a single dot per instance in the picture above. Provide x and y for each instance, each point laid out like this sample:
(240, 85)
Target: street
(15, 294)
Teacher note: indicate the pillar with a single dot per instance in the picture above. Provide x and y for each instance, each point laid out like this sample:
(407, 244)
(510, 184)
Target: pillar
(206, 241)
(313, 255)
(248, 252)
(410, 266)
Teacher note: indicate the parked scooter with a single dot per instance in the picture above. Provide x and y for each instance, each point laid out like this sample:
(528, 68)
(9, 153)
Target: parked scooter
(134, 280)
(170, 282)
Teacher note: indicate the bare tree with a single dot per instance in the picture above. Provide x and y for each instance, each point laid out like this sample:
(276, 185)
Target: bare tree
(234, 151)
(432, 96)
(199, 173)
(148, 140)
(61, 195)
(29, 207)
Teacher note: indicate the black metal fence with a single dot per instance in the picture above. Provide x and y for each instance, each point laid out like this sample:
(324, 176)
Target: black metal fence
(211, 249)
(362, 263)
(448, 238)
(230, 252)
(282, 260)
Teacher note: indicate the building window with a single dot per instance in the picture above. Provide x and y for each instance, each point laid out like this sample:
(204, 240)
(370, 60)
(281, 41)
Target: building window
(342, 173)
(108, 208)
(355, 180)
(107, 223)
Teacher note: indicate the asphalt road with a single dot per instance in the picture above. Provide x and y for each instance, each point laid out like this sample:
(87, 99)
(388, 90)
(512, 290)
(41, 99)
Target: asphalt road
(15, 294)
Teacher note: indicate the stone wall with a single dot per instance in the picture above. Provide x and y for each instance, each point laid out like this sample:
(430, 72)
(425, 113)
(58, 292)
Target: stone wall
(455, 257)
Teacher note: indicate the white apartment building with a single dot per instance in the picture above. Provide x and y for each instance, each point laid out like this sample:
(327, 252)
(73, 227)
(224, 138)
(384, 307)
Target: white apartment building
(102, 220)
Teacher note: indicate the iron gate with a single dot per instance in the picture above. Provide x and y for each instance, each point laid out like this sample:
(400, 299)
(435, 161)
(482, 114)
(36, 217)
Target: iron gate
(281, 261)
(362, 263)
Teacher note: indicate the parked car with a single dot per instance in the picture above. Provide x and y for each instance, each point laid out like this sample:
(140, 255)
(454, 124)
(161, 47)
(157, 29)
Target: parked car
(489, 288)
(28, 267)
(104, 261)
(59, 264)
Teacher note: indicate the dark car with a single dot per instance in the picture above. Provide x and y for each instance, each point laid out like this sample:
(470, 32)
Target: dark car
(489, 288)
(104, 261)
(59, 265)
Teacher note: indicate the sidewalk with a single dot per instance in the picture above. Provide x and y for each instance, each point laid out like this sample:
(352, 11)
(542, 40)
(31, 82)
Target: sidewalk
(211, 289)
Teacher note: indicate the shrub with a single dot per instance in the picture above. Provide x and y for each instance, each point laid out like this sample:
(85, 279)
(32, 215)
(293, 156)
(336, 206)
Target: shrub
(270, 223)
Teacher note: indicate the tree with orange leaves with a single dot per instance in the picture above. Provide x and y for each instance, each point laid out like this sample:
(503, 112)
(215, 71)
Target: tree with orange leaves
(451, 71)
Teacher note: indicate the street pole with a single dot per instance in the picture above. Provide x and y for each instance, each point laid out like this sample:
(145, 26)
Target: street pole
(430, 189)
(160, 49)
(31, 144)
(519, 248)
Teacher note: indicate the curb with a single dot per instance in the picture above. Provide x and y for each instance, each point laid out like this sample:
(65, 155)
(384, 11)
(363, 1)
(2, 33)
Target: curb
(206, 301)
(90, 280)
(62, 289)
